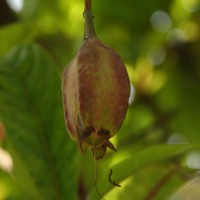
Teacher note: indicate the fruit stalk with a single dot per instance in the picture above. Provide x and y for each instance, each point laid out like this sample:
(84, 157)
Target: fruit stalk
(89, 26)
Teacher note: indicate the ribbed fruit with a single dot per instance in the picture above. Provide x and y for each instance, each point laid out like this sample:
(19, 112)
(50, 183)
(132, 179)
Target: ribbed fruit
(96, 89)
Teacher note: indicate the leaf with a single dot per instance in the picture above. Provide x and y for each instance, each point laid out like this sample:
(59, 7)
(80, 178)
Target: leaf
(45, 159)
(129, 166)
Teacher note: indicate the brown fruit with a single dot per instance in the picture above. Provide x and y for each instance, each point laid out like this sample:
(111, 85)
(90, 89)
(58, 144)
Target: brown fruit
(96, 89)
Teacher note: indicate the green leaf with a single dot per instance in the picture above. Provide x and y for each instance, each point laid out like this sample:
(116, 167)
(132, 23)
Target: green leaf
(130, 165)
(45, 158)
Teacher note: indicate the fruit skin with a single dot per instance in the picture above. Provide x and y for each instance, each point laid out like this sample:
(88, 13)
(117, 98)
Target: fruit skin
(96, 89)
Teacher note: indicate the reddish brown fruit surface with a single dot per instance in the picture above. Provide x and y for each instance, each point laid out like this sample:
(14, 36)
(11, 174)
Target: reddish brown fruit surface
(96, 89)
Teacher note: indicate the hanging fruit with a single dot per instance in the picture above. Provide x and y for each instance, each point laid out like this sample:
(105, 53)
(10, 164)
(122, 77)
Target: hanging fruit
(95, 89)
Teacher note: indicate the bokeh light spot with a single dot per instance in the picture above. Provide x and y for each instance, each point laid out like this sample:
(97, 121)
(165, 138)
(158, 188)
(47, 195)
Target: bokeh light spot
(176, 36)
(161, 21)
(15, 5)
(6, 162)
(193, 160)
(177, 138)
(156, 55)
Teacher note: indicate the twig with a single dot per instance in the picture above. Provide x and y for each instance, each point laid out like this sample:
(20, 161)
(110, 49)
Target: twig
(112, 181)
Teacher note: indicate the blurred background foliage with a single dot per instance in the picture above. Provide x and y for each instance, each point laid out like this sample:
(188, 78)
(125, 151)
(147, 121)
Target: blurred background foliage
(158, 145)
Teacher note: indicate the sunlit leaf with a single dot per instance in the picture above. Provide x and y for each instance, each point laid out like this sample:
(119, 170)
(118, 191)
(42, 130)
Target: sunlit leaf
(129, 166)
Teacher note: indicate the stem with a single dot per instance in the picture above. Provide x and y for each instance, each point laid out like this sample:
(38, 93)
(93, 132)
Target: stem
(88, 4)
(95, 178)
(89, 26)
